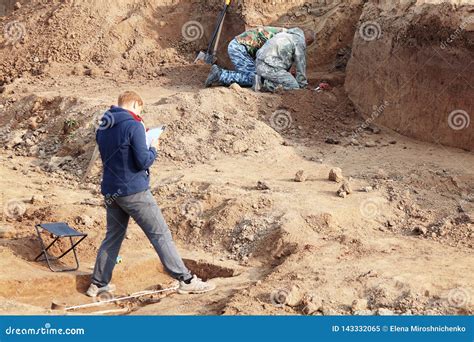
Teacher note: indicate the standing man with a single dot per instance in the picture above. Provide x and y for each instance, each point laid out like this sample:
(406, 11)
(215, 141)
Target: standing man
(126, 159)
(242, 51)
(276, 57)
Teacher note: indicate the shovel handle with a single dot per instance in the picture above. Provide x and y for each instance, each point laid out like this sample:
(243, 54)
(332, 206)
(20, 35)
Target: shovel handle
(214, 34)
(218, 35)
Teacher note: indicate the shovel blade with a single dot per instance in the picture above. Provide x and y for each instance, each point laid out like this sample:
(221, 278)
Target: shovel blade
(205, 57)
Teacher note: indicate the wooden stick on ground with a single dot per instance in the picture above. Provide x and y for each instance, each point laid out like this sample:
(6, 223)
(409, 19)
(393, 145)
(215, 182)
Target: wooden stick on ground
(114, 300)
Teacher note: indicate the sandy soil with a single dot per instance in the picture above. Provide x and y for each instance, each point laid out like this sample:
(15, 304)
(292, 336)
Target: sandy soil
(416, 63)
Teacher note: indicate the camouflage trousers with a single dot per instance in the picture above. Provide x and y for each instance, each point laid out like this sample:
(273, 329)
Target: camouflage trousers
(275, 77)
(244, 64)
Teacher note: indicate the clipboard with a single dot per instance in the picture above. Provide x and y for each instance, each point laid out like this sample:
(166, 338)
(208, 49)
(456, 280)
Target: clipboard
(154, 133)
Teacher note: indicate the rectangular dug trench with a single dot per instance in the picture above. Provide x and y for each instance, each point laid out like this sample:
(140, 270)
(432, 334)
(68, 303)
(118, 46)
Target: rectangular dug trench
(143, 273)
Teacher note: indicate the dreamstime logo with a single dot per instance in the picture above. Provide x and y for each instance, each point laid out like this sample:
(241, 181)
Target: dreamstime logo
(370, 209)
(279, 297)
(281, 120)
(456, 34)
(14, 31)
(185, 304)
(459, 119)
(45, 330)
(192, 209)
(459, 298)
(110, 199)
(377, 111)
(192, 31)
(102, 121)
(14, 209)
(370, 30)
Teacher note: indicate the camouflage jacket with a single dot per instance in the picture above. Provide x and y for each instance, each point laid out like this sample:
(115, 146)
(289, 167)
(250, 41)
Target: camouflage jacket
(255, 38)
(285, 49)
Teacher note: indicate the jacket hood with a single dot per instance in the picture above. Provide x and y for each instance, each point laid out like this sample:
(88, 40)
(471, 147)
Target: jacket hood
(114, 116)
(296, 31)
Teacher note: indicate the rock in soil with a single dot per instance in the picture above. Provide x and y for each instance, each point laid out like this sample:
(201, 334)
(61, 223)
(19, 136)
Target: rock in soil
(359, 305)
(370, 143)
(354, 142)
(363, 313)
(235, 87)
(374, 129)
(420, 230)
(311, 304)
(262, 185)
(300, 176)
(7, 232)
(36, 199)
(342, 194)
(332, 141)
(344, 190)
(335, 175)
(385, 312)
(346, 186)
(295, 296)
(85, 220)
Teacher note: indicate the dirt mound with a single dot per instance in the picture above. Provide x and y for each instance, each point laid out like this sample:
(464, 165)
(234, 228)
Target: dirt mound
(218, 219)
(411, 70)
(60, 130)
(108, 37)
(137, 39)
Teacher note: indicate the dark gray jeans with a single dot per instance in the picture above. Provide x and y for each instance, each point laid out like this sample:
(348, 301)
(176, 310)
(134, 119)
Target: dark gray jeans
(143, 209)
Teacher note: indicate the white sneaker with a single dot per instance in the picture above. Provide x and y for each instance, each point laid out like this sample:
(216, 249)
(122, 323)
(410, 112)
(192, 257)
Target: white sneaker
(195, 286)
(94, 290)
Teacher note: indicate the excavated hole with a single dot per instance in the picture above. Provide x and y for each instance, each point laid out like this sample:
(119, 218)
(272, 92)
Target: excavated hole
(206, 271)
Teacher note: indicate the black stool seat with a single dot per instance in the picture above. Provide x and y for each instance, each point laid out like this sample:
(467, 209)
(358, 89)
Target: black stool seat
(58, 230)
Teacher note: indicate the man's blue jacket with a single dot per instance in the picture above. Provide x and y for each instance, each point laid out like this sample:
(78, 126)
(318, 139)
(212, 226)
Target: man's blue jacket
(125, 156)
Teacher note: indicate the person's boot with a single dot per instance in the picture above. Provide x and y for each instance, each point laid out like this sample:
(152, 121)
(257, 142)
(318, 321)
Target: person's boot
(196, 285)
(213, 76)
(94, 290)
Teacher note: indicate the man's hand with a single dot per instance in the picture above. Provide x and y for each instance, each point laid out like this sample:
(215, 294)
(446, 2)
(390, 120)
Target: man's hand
(155, 143)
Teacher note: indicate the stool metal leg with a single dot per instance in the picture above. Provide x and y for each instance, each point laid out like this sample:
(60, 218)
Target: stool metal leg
(48, 259)
(44, 250)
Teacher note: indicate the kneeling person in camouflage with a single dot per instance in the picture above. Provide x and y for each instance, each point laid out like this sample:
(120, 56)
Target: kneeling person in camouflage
(279, 54)
(242, 51)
